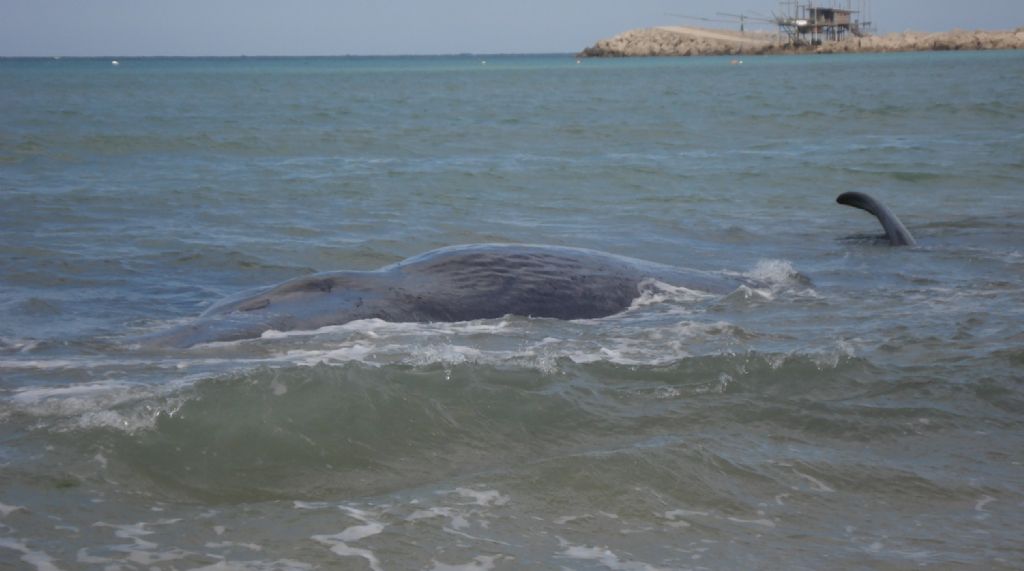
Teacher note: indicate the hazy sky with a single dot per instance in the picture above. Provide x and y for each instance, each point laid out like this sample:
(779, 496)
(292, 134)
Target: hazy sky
(338, 27)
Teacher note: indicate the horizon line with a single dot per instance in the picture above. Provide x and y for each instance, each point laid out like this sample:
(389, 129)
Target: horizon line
(284, 56)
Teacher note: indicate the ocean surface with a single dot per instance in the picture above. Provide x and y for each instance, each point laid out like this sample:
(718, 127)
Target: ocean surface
(864, 409)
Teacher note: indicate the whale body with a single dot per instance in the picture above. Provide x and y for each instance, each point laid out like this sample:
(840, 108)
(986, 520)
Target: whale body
(463, 283)
(459, 283)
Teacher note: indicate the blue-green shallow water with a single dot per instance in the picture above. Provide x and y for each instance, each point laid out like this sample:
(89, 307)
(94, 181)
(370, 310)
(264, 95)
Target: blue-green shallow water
(863, 410)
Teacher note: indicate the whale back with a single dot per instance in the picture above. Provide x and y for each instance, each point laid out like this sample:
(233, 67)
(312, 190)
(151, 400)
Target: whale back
(486, 281)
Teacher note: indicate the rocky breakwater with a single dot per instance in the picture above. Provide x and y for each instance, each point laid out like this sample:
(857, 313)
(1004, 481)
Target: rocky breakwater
(681, 41)
(925, 41)
(684, 41)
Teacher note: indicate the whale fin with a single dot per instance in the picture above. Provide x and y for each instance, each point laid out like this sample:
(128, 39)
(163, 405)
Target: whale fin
(895, 231)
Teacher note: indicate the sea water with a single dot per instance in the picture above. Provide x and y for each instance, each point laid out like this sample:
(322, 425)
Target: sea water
(862, 409)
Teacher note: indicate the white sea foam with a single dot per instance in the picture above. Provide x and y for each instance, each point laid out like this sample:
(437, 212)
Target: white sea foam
(603, 556)
(774, 272)
(459, 517)
(676, 514)
(472, 537)
(248, 565)
(817, 484)
(479, 563)
(979, 506)
(225, 544)
(142, 551)
(300, 505)
(375, 328)
(104, 404)
(568, 518)
(342, 549)
(456, 519)
(6, 510)
(773, 277)
(754, 521)
(18, 345)
(38, 559)
(339, 542)
(483, 497)
(653, 292)
(642, 345)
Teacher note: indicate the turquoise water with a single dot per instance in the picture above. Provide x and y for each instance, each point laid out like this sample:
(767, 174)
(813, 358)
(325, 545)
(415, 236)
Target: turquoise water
(863, 409)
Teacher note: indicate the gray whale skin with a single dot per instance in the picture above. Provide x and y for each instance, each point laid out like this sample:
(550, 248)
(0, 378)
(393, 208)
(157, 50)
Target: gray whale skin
(459, 283)
(463, 283)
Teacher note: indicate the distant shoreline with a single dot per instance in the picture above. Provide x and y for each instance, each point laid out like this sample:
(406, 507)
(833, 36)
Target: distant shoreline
(693, 41)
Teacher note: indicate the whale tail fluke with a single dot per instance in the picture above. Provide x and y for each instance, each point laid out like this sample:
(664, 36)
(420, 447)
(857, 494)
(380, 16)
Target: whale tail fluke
(895, 231)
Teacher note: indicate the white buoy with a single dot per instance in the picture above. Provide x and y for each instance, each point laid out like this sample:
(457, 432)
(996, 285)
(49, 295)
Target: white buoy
(115, 62)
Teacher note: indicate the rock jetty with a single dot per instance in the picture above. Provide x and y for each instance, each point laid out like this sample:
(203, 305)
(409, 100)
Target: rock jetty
(687, 41)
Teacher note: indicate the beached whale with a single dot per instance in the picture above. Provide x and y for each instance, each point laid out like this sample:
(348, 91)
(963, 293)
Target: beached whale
(458, 283)
(463, 283)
